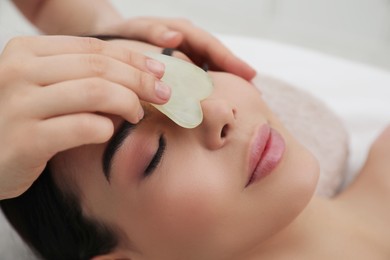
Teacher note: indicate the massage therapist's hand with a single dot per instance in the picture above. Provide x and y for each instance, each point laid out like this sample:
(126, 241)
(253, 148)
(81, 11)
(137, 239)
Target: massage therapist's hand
(54, 93)
(198, 44)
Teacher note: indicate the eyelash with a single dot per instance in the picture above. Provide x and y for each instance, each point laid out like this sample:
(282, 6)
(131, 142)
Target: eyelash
(157, 156)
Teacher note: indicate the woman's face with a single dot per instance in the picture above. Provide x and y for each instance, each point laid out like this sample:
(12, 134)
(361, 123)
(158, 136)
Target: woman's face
(179, 193)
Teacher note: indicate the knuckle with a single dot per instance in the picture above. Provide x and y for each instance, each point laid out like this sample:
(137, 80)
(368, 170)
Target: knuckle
(129, 107)
(94, 128)
(97, 64)
(130, 57)
(10, 70)
(17, 42)
(18, 45)
(27, 147)
(94, 45)
(12, 67)
(146, 81)
(17, 103)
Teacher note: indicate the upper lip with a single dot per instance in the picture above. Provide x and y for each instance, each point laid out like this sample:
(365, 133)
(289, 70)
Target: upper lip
(256, 148)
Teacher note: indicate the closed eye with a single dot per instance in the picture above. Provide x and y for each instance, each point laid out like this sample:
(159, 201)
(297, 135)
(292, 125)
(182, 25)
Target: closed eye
(157, 156)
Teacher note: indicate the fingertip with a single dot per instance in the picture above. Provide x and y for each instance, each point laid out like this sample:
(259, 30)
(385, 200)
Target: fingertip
(162, 90)
(171, 38)
(243, 69)
(250, 73)
(140, 114)
(247, 74)
(105, 130)
(136, 115)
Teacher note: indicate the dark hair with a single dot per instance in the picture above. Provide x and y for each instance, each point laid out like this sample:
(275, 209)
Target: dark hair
(51, 222)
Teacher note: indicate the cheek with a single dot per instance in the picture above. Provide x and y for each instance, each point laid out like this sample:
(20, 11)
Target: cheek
(184, 207)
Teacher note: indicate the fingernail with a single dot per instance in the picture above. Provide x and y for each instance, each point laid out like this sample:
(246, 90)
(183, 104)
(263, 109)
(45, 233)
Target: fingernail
(157, 68)
(169, 35)
(140, 113)
(162, 90)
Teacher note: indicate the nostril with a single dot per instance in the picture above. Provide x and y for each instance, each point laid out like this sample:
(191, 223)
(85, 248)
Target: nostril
(224, 130)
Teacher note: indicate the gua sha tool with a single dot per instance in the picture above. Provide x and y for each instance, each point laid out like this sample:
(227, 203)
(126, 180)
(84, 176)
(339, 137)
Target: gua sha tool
(189, 86)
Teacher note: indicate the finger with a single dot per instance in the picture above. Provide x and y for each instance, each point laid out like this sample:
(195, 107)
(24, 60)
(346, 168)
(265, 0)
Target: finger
(87, 95)
(158, 33)
(202, 47)
(233, 64)
(217, 55)
(46, 71)
(69, 131)
(43, 46)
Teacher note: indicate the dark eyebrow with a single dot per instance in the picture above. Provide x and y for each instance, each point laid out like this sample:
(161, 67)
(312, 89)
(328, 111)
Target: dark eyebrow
(113, 146)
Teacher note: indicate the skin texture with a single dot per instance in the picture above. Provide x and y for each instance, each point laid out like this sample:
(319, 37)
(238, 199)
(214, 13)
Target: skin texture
(195, 205)
(90, 64)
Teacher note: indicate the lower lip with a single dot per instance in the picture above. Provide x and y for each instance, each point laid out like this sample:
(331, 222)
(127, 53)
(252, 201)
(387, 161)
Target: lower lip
(269, 158)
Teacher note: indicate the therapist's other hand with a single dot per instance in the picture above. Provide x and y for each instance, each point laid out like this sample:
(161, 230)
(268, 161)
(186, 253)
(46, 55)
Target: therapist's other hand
(199, 45)
(54, 94)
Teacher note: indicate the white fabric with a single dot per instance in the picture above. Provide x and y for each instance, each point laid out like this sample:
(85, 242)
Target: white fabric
(3, 41)
(312, 123)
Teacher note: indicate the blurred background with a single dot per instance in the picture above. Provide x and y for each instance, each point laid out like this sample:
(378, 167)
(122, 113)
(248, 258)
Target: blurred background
(358, 30)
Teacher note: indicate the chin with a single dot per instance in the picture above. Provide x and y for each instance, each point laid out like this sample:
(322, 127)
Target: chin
(305, 178)
(300, 171)
(297, 181)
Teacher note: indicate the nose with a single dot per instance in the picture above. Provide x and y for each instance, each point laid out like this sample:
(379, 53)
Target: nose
(219, 119)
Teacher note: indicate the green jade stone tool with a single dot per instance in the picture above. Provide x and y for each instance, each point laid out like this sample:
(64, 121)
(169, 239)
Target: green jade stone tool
(189, 86)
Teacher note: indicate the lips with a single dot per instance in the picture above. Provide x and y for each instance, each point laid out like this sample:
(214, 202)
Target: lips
(266, 151)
